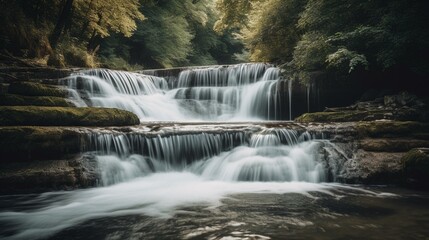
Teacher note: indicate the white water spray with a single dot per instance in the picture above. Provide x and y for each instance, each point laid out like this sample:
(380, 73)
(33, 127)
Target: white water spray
(219, 93)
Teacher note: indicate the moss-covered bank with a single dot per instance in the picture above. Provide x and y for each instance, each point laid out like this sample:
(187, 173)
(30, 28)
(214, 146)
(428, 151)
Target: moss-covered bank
(375, 129)
(65, 116)
(36, 89)
(17, 100)
(356, 116)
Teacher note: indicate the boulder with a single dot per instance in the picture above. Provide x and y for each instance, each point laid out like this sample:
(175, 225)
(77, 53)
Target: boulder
(42, 176)
(372, 168)
(416, 167)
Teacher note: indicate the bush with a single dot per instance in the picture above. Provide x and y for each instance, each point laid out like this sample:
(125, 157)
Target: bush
(119, 63)
(56, 60)
(79, 57)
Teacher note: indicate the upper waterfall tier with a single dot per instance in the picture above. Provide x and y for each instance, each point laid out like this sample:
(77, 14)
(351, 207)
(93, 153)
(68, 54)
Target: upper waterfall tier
(216, 93)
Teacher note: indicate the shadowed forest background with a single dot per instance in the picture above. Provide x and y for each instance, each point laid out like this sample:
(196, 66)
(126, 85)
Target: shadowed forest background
(379, 42)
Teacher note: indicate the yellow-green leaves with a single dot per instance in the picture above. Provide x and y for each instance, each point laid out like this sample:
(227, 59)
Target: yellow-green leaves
(104, 17)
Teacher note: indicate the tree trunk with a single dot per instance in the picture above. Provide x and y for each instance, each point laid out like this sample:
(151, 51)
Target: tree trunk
(61, 23)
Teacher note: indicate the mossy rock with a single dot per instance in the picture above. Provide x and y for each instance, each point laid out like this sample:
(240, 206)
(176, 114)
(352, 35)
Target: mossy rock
(38, 143)
(416, 167)
(65, 116)
(18, 100)
(356, 116)
(391, 144)
(343, 116)
(392, 129)
(36, 89)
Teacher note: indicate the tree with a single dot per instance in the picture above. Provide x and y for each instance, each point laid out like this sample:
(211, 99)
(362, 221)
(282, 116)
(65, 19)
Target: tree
(61, 22)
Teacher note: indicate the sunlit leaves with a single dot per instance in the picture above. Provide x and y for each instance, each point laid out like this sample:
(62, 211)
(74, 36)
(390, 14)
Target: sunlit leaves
(103, 17)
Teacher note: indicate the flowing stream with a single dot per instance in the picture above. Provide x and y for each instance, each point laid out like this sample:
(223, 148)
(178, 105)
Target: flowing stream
(226, 183)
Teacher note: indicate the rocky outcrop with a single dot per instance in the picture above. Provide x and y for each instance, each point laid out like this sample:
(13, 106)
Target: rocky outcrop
(34, 73)
(42, 176)
(400, 107)
(29, 143)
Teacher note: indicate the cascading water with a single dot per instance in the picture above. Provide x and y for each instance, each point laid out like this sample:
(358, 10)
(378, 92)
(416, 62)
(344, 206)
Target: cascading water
(267, 155)
(158, 172)
(238, 92)
(155, 173)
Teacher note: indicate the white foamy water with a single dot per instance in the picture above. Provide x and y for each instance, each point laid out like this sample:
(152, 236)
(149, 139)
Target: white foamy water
(157, 195)
(234, 93)
(156, 186)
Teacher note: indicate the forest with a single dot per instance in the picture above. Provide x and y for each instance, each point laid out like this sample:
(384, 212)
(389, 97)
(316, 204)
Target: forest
(372, 39)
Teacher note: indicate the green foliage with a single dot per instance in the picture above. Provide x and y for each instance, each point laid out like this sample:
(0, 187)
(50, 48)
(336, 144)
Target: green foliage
(169, 47)
(77, 56)
(118, 63)
(19, 33)
(80, 33)
(103, 17)
(343, 58)
(271, 33)
(332, 35)
(175, 33)
(233, 13)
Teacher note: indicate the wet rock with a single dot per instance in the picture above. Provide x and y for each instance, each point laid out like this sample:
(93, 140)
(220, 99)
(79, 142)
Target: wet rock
(42, 176)
(372, 168)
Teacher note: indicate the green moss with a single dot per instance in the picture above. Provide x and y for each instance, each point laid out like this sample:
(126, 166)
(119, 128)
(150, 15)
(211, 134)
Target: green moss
(65, 116)
(17, 100)
(36, 89)
(391, 128)
(356, 116)
(416, 166)
(391, 144)
(343, 116)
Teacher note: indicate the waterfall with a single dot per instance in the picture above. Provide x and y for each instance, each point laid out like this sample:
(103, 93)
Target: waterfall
(240, 92)
(268, 154)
